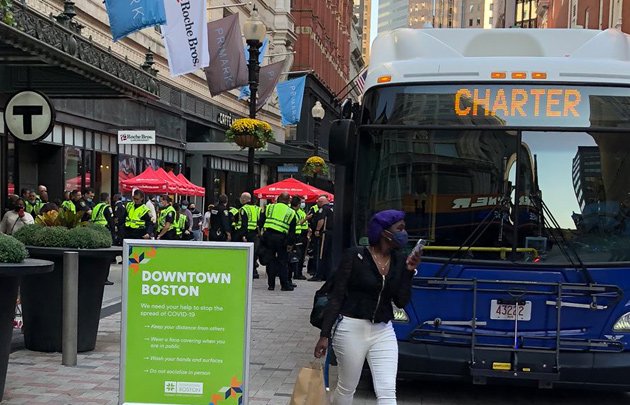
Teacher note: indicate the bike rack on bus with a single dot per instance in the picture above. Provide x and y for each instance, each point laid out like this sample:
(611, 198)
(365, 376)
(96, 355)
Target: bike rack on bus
(450, 332)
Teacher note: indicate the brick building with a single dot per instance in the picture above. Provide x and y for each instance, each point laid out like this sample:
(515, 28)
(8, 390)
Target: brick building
(590, 14)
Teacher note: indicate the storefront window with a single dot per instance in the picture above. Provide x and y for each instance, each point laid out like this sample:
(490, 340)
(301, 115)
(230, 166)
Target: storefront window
(103, 181)
(127, 168)
(73, 167)
(89, 168)
(11, 165)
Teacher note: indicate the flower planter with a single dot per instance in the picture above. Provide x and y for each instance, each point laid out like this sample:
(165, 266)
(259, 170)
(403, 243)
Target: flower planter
(248, 141)
(42, 298)
(10, 274)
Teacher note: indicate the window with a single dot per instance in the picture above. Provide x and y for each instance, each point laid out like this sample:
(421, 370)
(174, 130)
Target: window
(470, 22)
(478, 22)
(490, 20)
(491, 6)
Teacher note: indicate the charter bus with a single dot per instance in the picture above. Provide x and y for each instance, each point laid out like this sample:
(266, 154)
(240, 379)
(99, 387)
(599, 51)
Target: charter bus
(509, 152)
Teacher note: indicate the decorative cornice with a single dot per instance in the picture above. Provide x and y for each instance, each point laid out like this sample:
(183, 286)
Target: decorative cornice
(60, 43)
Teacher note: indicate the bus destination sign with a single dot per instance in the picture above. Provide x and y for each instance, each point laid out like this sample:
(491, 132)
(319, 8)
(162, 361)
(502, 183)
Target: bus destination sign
(518, 102)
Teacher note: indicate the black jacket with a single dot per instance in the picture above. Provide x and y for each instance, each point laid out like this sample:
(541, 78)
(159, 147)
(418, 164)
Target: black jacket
(360, 292)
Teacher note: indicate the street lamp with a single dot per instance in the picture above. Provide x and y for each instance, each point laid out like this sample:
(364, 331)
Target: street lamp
(318, 113)
(254, 30)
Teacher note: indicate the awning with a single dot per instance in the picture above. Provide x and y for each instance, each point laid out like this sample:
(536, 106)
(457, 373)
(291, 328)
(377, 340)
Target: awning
(40, 52)
(147, 181)
(294, 188)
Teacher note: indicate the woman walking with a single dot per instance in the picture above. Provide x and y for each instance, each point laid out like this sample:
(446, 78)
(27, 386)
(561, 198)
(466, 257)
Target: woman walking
(368, 280)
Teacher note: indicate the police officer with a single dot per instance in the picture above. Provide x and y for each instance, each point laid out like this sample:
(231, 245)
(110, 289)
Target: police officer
(138, 222)
(33, 205)
(102, 215)
(220, 228)
(233, 214)
(324, 232)
(313, 260)
(68, 203)
(182, 225)
(120, 213)
(301, 237)
(278, 239)
(166, 228)
(247, 224)
(80, 205)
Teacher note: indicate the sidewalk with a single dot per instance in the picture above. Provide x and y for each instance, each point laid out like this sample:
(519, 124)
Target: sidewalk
(282, 342)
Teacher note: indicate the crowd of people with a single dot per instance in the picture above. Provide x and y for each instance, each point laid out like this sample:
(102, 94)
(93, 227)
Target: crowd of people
(284, 232)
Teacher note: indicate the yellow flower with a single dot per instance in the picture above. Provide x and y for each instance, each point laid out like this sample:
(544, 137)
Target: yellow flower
(315, 160)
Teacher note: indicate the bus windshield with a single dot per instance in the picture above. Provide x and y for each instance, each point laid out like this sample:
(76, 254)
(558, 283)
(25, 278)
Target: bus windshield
(544, 193)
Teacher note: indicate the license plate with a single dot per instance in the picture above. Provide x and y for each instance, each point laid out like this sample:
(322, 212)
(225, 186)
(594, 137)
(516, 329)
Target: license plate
(508, 312)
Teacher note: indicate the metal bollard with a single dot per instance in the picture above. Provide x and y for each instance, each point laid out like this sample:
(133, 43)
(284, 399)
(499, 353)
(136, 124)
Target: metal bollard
(70, 308)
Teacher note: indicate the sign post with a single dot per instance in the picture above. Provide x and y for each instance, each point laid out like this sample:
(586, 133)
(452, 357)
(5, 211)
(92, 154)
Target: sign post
(185, 323)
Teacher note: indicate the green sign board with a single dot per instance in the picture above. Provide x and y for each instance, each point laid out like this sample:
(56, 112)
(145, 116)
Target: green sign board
(185, 323)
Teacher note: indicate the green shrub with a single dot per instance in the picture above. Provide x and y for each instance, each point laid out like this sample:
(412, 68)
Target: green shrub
(11, 250)
(51, 236)
(85, 237)
(27, 233)
(82, 237)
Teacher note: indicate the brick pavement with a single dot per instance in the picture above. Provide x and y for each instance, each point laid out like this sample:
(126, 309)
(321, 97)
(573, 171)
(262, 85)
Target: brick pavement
(282, 342)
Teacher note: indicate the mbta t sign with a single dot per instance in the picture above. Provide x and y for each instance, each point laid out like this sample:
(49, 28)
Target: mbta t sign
(29, 116)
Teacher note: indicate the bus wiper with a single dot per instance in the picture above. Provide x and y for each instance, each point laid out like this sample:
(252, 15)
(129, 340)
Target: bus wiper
(563, 244)
(476, 233)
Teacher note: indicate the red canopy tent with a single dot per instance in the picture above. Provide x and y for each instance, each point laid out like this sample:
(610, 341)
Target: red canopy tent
(185, 188)
(147, 181)
(293, 187)
(198, 191)
(173, 186)
(75, 183)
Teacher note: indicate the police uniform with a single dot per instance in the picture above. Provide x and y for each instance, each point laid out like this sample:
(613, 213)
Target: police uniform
(311, 267)
(247, 225)
(301, 236)
(167, 215)
(102, 215)
(69, 206)
(233, 214)
(219, 223)
(138, 221)
(33, 208)
(120, 214)
(279, 233)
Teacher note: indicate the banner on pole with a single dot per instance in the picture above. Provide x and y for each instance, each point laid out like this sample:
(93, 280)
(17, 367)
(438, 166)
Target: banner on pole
(126, 17)
(185, 36)
(185, 322)
(228, 68)
(290, 96)
(261, 56)
(269, 76)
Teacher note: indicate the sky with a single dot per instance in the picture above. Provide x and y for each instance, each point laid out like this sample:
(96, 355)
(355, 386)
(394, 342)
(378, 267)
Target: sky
(374, 21)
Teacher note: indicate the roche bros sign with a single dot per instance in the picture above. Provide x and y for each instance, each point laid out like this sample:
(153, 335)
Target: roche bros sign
(136, 137)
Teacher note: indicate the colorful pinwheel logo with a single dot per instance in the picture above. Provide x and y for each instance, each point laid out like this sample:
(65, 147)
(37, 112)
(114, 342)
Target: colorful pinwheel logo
(235, 390)
(138, 258)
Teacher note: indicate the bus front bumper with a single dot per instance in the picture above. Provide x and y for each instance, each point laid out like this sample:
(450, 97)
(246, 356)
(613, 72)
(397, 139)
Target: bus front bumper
(594, 370)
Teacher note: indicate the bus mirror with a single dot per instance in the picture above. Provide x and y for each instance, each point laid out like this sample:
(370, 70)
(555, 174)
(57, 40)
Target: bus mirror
(341, 142)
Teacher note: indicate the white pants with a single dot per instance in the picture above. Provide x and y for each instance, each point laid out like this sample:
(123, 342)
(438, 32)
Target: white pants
(356, 339)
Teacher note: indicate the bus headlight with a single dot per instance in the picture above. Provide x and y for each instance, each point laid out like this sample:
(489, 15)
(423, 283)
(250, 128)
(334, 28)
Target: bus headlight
(623, 323)
(400, 315)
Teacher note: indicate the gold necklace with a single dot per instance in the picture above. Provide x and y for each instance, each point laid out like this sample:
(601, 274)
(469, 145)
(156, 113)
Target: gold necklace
(381, 267)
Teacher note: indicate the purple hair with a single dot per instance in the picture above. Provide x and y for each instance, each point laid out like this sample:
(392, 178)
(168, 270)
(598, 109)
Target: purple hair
(381, 221)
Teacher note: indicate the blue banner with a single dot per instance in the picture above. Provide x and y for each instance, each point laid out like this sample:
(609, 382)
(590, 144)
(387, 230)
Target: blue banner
(290, 96)
(263, 49)
(127, 16)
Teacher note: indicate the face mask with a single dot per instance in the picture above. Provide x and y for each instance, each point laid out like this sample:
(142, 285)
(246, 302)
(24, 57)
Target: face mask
(184, 207)
(400, 238)
(89, 199)
(303, 205)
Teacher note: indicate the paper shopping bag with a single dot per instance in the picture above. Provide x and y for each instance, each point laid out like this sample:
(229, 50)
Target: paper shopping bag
(309, 387)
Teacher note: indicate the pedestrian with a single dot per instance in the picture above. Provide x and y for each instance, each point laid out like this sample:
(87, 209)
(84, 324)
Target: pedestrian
(102, 215)
(138, 224)
(197, 218)
(33, 205)
(301, 237)
(367, 282)
(205, 226)
(166, 220)
(248, 217)
(15, 218)
(189, 218)
(152, 210)
(88, 197)
(120, 213)
(42, 192)
(323, 232)
(278, 238)
(220, 228)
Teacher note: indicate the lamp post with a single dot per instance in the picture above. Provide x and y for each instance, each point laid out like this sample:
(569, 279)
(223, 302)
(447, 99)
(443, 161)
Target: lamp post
(318, 113)
(254, 30)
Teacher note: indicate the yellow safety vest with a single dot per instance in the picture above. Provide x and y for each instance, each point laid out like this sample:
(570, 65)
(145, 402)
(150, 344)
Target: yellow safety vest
(98, 214)
(180, 224)
(299, 228)
(163, 214)
(235, 224)
(33, 209)
(69, 205)
(253, 213)
(279, 217)
(134, 216)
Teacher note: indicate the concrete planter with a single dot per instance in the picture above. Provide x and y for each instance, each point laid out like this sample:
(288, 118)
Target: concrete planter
(10, 274)
(42, 298)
